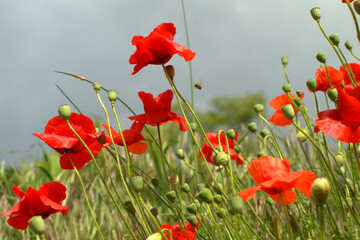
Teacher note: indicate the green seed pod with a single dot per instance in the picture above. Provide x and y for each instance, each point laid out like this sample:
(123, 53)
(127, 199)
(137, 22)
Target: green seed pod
(284, 60)
(192, 220)
(298, 101)
(222, 159)
(260, 154)
(170, 71)
(193, 126)
(288, 111)
(332, 94)
(356, 5)
(218, 188)
(191, 208)
(320, 190)
(97, 86)
(264, 132)
(64, 112)
(185, 188)
(137, 183)
(205, 195)
(129, 207)
(299, 93)
(171, 195)
(301, 137)
(339, 158)
(258, 108)
(231, 134)
(112, 95)
(311, 84)
(174, 180)
(200, 186)
(252, 127)
(221, 212)
(335, 39)
(348, 45)
(286, 87)
(217, 198)
(180, 153)
(154, 212)
(321, 57)
(36, 224)
(315, 13)
(235, 204)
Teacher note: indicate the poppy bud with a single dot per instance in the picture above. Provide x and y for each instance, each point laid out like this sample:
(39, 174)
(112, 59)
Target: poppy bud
(286, 87)
(231, 134)
(297, 101)
(221, 212)
(320, 189)
(64, 112)
(112, 95)
(235, 204)
(192, 220)
(137, 183)
(174, 180)
(36, 224)
(218, 188)
(284, 60)
(154, 212)
(315, 13)
(332, 94)
(356, 6)
(258, 108)
(321, 57)
(171, 195)
(129, 207)
(205, 195)
(192, 208)
(200, 186)
(264, 132)
(299, 93)
(97, 86)
(288, 111)
(339, 159)
(217, 198)
(222, 159)
(311, 84)
(170, 71)
(301, 137)
(155, 182)
(260, 154)
(185, 188)
(193, 126)
(348, 45)
(237, 148)
(252, 127)
(335, 39)
(155, 236)
(180, 153)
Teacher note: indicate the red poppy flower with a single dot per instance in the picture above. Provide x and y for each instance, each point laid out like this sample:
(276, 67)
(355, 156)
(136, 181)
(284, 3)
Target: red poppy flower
(58, 135)
(43, 202)
(132, 136)
(277, 103)
(350, 1)
(342, 123)
(178, 234)
(158, 110)
(273, 176)
(355, 68)
(157, 48)
(322, 81)
(213, 138)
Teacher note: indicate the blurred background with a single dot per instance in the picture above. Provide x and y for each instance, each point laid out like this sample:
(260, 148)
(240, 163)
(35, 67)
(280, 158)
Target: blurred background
(238, 46)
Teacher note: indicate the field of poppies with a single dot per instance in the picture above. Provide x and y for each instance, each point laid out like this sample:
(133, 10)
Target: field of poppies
(167, 177)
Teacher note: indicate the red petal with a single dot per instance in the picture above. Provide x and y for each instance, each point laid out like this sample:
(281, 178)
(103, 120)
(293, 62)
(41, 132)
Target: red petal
(138, 148)
(287, 197)
(279, 119)
(280, 101)
(19, 222)
(55, 191)
(322, 81)
(355, 68)
(18, 192)
(249, 193)
(349, 106)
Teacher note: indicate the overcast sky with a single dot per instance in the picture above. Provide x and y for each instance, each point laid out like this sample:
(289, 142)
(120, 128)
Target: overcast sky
(238, 46)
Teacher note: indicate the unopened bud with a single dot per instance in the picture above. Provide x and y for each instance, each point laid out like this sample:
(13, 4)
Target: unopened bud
(217, 198)
(258, 108)
(192, 220)
(286, 87)
(264, 132)
(174, 180)
(348, 45)
(235, 204)
(222, 159)
(356, 5)
(185, 188)
(315, 13)
(284, 60)
(36, 224)
(301, 137)
(97, 86)
(180, 153)
(299, 93)
(200, 186)
(231, 134)
(321, 57)
(64, 112)
(112, 95)
(137, 183)
(193, 126)
(171, 195)
(311, 84)
(335, 39)
(320, 189)
(288, 111)
(221, 212)
(252, 127)
(170, 71)
(129, 207)
(154, 212)
(339, 158)
(260, 154)
(332, 94)
(192, 208)
(205, 195)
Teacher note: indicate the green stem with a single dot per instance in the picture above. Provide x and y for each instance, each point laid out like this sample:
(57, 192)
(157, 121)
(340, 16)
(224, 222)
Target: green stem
(355, 20)
(322, 222)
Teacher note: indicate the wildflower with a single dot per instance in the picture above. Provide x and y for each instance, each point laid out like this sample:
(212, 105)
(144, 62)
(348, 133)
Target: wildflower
(213, 138)
(277, 103)
(158, 110)
(178, 234)
(43, 202)
(273, 176)
(132, 136)
(322, 81)
(157, 48)
(343, 123)
(58, 135)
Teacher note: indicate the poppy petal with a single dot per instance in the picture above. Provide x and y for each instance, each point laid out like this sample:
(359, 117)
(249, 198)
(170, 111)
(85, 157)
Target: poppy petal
(249, 193)
(287, 197)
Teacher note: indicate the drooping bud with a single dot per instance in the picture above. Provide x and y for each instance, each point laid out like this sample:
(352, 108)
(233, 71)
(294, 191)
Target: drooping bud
(200, 186)
(311, 84)
(222, 159)
(235, 204)
(97, 86)
(264, 132)
(155, 182)
(193, 126)
(284, 60)
(185, 188)
(170, 71)
(217, 198)
(320, 189)
(231, 134)
(356, 5)
(298, 93)
(332, 94)
(205, 195)
(348, 45)
(237, 148)
(155, 236)
(315, 13)
(258, 108)
(137, 183)
(154, 212)
(64, 112)
(36, 224)
(301, 137)
(339, 158)
(192, 208)
(112, 95)
(171, 195)
(252, 127)
(335, 39)
(286, 87)
(218, 188)
(174, 180)
(129, 207)
(288, 111)
(298, 101)
(321, 57)
(180, 153)
(221, 212)
(192, 220)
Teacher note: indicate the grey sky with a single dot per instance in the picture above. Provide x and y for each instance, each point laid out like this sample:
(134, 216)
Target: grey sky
(238, 46)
